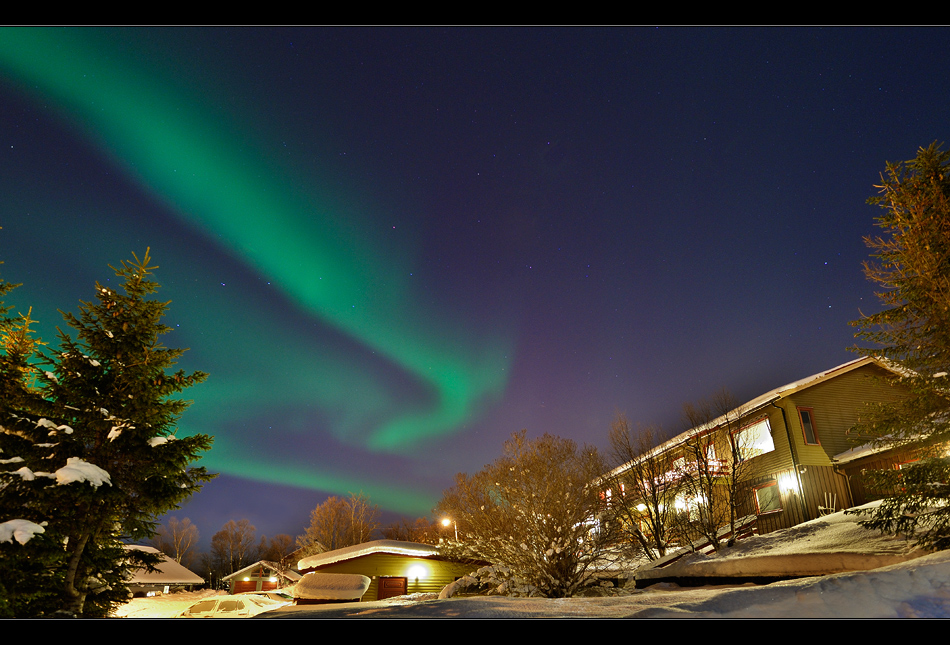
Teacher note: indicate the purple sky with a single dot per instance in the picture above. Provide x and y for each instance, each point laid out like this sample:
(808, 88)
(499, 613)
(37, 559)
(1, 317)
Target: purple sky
(392, 248)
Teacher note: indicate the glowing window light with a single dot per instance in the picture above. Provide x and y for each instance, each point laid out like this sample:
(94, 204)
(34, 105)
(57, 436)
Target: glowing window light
(754, 440)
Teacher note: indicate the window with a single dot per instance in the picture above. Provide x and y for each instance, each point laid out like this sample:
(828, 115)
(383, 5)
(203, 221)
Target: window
(754, 440)
(767, 498)
(807, 416)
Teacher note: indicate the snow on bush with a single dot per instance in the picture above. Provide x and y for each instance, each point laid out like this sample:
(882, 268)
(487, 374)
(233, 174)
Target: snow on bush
(46, 423)
(493, 580)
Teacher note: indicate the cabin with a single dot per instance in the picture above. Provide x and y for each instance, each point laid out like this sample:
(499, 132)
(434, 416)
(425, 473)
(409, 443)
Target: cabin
(167, 577)
(784, 442)
(395, 568)
(263, 575)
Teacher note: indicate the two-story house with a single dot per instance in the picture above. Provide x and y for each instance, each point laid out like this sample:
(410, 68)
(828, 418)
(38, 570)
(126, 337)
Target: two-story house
(783, 445)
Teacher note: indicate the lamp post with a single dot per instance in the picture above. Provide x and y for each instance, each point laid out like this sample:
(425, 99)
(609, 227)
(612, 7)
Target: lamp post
(446, 521)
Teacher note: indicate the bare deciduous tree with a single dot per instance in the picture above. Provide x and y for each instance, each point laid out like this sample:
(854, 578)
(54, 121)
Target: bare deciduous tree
(233, 547)
(277, 548)
(642, 487)
(422, 530)
(177, 540)
(717, 466)
(535, 511)
(338, 523)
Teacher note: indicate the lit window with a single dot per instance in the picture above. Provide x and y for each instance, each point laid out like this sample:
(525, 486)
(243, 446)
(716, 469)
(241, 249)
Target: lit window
(767, 498)
(754, 440)
(808, 425)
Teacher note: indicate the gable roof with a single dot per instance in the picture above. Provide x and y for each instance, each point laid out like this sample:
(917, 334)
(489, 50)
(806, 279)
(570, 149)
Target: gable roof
(760, 402)
(395, 547)
(169, 572)
(267, 564)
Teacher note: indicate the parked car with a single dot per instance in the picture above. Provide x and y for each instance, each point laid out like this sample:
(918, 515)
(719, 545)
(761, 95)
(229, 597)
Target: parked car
(241, 606)
(278, 595)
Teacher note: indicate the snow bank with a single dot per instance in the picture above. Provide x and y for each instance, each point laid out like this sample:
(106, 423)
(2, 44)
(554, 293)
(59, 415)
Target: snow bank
(916, 589)
(835, 543)
(331, 586)
(19, 530)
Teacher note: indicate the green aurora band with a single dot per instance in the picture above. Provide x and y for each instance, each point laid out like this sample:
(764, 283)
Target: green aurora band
(176, 147)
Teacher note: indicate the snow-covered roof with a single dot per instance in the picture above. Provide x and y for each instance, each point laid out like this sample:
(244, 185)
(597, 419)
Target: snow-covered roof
(858, 452)
(882, 444)
(760, 402)
(267, 564)
(396, 547)
(169, 572)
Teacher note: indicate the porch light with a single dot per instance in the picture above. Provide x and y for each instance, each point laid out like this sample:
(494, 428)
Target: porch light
(787, 483)
(417, 571)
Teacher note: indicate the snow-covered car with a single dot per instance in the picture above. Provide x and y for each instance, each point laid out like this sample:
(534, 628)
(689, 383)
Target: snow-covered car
(278, 595)
(242, 606)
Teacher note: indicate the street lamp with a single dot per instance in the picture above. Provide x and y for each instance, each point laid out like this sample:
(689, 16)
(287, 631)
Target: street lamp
(446, 521)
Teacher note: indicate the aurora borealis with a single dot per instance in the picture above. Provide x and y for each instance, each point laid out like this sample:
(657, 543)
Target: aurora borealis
(391, 248)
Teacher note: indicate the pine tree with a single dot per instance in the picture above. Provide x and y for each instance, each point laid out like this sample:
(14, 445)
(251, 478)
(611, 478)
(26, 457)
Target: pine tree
(106, 420)
(913, 269)
(30, 557)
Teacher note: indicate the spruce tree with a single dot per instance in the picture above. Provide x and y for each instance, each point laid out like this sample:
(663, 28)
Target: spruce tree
(30, 557)
(912, 268)
(104, 418)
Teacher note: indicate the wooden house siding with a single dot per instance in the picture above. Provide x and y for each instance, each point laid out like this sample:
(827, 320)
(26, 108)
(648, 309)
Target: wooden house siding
(434, 573)
(854, 471)
(779, 459)
(838, 404)
(804, 471)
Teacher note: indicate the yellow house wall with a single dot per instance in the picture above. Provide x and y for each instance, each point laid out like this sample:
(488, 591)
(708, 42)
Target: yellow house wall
(837, 403)
(436, 573)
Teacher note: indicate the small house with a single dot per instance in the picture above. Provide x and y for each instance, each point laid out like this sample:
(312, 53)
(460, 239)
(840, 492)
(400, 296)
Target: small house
(169, 576)
(395, 568)
(261, 576)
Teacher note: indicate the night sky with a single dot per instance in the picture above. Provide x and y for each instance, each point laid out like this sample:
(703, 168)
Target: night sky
(392, 248)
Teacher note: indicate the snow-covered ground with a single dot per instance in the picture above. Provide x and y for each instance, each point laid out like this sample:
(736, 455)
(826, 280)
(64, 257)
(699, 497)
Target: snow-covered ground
(878, 577)
(167, 606)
